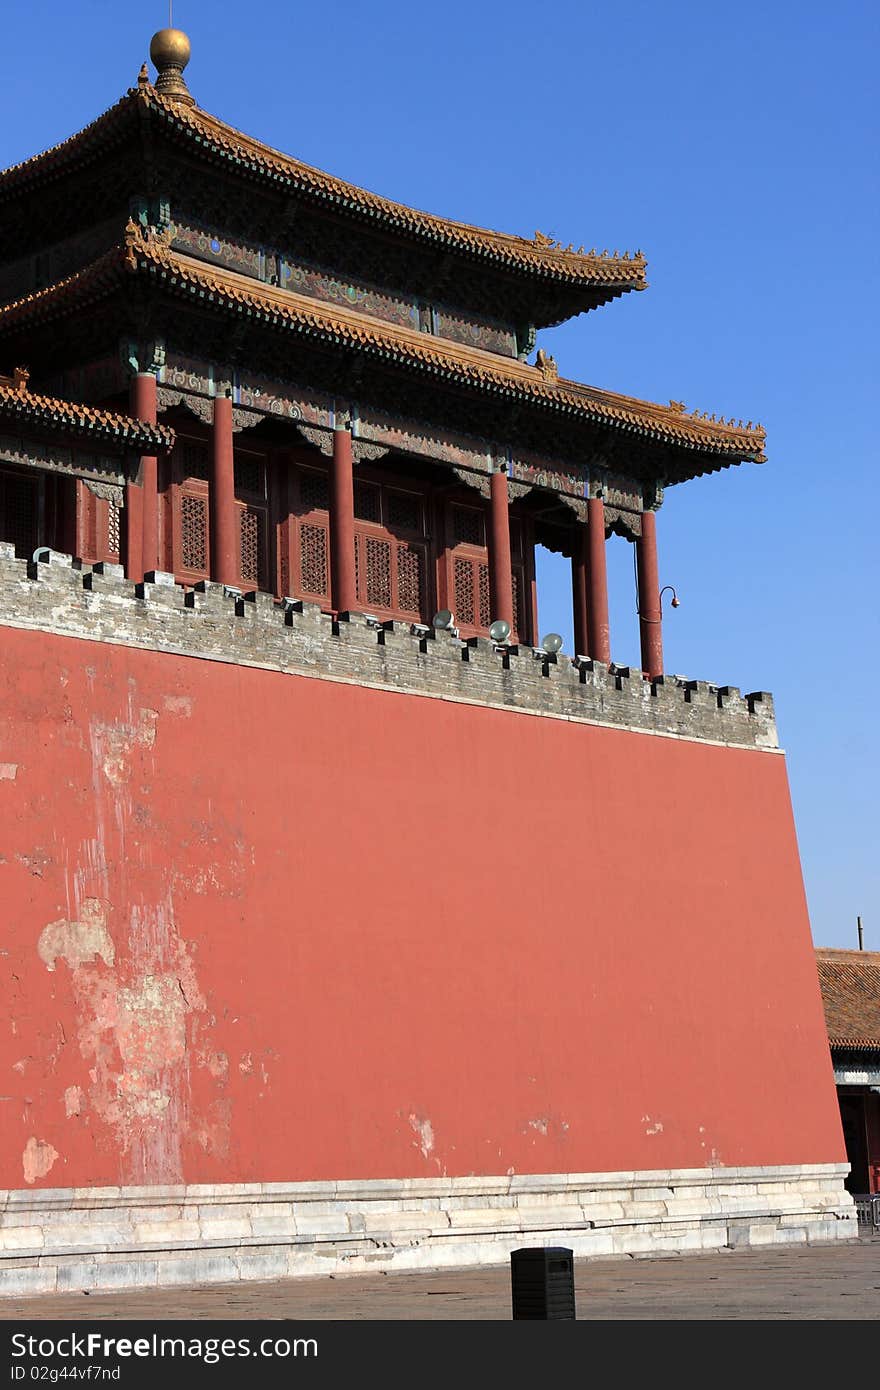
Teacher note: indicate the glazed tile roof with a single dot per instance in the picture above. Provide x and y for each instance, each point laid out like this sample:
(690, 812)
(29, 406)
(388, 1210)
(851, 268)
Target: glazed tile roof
(25, 409)
(540, 256)
(850, 983)
(152, 255)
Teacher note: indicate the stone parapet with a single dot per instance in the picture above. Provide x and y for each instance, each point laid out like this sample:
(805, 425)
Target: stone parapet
(61, 1239)
(55, 594)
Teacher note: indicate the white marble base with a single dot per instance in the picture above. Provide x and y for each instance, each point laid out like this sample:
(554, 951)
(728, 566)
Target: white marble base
(59, 1239)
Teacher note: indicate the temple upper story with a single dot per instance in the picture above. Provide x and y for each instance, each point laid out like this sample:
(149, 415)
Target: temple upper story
(328, 395)
(235, 203)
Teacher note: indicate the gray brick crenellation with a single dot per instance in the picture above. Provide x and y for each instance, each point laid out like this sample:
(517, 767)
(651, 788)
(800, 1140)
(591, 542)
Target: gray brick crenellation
(211, 622)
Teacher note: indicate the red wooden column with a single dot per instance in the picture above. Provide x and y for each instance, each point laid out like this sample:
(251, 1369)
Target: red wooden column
(580, 588)
(500, 570)
(225, 559)
(650, 629)
(134, 531)
(600, 641)
(142, 501)
(343, 586)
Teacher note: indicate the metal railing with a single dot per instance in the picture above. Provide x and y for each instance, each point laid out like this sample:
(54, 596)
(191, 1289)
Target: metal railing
(868, 1210)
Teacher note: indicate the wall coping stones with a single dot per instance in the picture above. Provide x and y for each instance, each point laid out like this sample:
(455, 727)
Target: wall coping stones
(218, 623)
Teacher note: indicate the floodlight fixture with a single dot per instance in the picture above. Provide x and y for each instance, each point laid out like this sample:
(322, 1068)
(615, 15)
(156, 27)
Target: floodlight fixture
(675, 599)
(444, 621)
(42, 555)
(500, 631)
(371, 620)
(552, 643)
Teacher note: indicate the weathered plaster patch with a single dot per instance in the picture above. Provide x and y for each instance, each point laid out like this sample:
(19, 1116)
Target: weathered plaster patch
(133, 1030)
(114, 744)
(80, 941)
(652, 1127)
(36, 862)
(74, 1101)
(212, 1131)
(547, 1125)
(217, 1064)
(8, 772)
(178, 704)
(424, 1131)
(37, 1159)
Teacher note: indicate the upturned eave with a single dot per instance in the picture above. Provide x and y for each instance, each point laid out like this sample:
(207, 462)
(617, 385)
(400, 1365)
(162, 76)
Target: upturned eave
(718, 442)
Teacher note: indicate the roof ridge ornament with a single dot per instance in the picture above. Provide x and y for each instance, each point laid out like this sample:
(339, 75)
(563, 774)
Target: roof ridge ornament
(549, 243)
(170, 51)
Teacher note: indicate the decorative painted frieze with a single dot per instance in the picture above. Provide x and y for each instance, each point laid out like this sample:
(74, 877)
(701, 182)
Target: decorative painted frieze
(319, 284)
(274, 266)
(195, 240)
(479, 333)
(557, 475)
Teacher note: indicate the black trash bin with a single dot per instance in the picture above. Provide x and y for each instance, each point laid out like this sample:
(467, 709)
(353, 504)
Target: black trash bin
(542, 1282)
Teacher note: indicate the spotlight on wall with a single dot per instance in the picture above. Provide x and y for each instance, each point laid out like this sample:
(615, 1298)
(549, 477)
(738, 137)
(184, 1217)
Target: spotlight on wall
(371, 620)
(499, 631)
(419, 629)
(444, 621)
(42, 555)
(552, 643)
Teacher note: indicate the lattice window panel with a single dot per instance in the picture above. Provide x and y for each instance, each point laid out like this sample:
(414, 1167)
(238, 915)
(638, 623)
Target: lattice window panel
(367, 502)
(18, 514)
(378, 572)
(314, 492)
(463, 583)
(404, 511)
(193, 460)
(194, 533)
(517, 606)
(409, 579)
(468, 526)
(250, 476)
(313, 559)
(251, 531)
(113, 529)
(486, 617)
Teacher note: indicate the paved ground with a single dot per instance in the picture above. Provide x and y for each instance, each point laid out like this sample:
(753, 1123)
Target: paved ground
(815, 1282)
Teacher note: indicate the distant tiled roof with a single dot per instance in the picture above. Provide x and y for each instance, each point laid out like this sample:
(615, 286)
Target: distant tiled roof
(24, 408)
(541, 256)
(850, 982)
(729, 441)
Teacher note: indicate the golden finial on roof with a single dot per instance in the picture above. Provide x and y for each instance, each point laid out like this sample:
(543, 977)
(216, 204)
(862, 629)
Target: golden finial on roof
(170, 51)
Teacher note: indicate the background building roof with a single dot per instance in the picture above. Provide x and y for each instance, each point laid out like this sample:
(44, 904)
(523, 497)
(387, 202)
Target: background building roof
(850, 982)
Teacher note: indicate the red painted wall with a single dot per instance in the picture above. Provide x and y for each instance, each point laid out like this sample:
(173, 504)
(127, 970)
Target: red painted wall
(259, 927)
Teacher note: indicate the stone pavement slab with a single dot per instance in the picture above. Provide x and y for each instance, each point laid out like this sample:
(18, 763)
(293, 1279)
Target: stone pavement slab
(800, 1282)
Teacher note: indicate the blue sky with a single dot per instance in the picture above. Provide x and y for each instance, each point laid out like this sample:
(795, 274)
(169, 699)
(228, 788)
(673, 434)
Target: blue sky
(735, 145)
